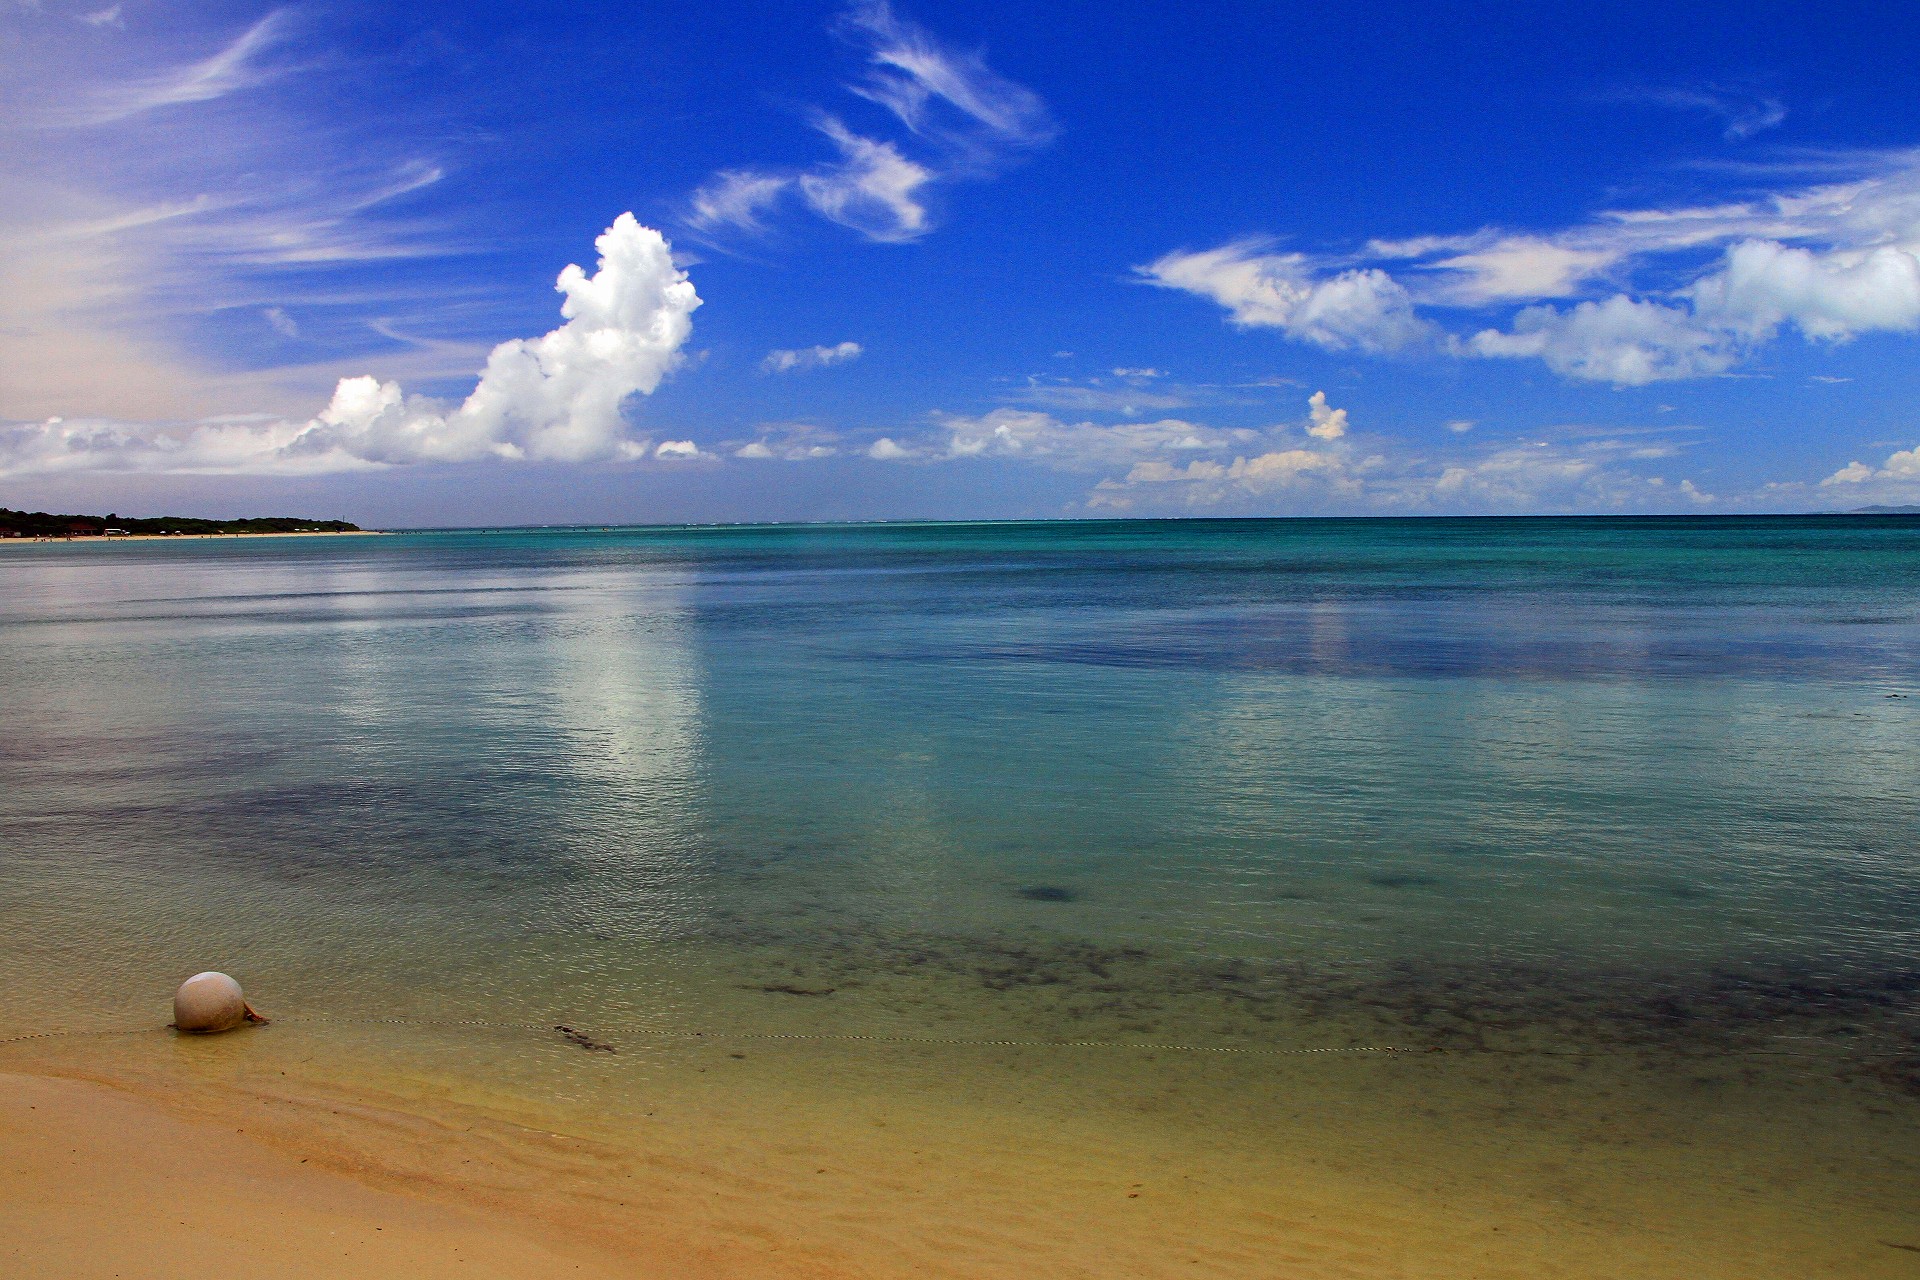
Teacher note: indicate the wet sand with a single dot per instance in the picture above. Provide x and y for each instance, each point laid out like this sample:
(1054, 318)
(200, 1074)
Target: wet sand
(748, 1159)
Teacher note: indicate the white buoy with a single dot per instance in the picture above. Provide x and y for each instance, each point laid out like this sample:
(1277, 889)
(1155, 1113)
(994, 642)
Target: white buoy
(209, 1002)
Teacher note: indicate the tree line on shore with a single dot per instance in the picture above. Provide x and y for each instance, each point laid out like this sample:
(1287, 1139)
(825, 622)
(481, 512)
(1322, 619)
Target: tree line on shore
(43, 524)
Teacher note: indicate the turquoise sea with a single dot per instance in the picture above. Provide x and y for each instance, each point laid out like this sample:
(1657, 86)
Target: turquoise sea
(1605, 830)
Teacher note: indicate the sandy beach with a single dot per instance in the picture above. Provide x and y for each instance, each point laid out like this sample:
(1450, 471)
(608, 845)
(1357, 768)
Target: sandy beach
(97, 1182)
(269, 1154)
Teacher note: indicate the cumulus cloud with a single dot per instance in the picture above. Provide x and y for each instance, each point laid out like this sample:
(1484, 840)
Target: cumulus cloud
(1763, 285)
(785, 361)
(1830, 262)
(557, 397)
(886, 450)
(1328, 424)
(1617, 339)
(1364, 310)
(788, 442)
(1900, 468)
(962, 121)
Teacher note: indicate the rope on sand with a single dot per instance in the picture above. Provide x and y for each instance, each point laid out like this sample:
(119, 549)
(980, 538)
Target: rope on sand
(78, 1031)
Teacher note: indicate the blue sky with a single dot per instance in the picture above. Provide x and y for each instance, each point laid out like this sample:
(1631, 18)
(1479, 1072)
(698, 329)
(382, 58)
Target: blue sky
(861, 261)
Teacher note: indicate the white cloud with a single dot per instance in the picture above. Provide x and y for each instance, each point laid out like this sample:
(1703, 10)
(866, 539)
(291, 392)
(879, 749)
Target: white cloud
(786, 361)
(236, 68)
(1511, 478)
(1139, 373)
(1074, 398)
(117, 240)
(1461, 425)
(1043, 438)
(1160, 471)
(788, 442)
(280, 322)
(108, 17)
(1521, 267)
(1168, 448)
(1364, 310)
(556, 397)
(1831, 261)
(962, 119)
(1904, 465)
(1282, 466)
(913, 71)
(1900, 468)
(1830, 296)
(874, 190)
(1328, 424)
(1307, 465)
(679, 449)
(736, 198)
(1616, 340)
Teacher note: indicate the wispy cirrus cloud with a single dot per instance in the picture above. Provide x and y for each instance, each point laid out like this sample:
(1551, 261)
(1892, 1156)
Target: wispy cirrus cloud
(142, 203)
(873, 189)
(737, 198)
(962, 121)
(1129, 399)
(241, 65)
(940, 92)
(1742, 112)
(1830, 262)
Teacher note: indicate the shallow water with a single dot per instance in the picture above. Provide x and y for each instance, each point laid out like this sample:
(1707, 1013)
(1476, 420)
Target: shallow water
(1619, 815)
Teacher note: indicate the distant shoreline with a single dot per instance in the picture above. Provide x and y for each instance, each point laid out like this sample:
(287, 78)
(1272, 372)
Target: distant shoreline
(189, 537)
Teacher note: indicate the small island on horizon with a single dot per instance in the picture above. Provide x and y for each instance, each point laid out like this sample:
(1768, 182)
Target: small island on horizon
(43, 524)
